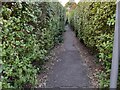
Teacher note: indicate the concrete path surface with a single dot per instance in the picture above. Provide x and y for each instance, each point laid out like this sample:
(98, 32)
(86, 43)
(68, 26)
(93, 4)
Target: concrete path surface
(70, 71)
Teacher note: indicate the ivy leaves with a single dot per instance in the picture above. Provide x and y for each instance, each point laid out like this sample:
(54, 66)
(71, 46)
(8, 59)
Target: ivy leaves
(111, 21)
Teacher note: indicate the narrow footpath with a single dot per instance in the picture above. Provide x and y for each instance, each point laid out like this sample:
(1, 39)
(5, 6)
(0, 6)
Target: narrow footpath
(70, 71)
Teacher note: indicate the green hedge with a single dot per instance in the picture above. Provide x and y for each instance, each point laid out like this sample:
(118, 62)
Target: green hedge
(29, 31)
(94, 24)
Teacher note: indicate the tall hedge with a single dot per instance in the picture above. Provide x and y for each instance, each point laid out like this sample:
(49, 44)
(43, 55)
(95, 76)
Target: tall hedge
(29, 31)
(94, 24)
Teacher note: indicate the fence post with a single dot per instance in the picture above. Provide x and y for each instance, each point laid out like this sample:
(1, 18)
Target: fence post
(116, 50)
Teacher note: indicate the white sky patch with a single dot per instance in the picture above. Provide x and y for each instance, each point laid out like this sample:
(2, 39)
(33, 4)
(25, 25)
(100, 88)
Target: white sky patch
(63, 2)
(77, 1)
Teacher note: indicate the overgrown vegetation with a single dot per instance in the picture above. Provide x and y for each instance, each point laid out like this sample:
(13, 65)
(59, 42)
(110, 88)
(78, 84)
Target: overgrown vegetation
(29, 31)
(94, 24)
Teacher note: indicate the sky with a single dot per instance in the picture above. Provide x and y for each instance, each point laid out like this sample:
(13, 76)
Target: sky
(63, 2)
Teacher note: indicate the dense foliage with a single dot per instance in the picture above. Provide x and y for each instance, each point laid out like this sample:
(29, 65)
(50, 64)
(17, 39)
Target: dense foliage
(94, 24)
(29, 31)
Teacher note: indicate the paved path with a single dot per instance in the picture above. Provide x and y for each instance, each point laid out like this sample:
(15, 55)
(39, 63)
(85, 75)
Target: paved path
(70, 70)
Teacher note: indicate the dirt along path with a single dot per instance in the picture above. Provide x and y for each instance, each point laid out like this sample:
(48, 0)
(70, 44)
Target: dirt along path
(69, 71)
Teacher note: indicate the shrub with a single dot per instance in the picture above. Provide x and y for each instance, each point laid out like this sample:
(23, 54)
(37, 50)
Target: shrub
(94, 23)
(29, 31)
